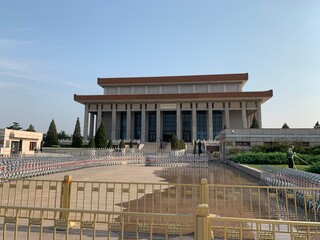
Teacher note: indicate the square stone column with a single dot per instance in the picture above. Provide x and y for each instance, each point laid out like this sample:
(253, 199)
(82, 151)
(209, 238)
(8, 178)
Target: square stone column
(244, 114)
(210, 128)
(259, 118)
(194, 121)
(226, 114)
(158, 123)
(128, 127)
(143, 123)
(85, 123)
(91, 133)
(178, 119)
(113, 122)
(99, 116)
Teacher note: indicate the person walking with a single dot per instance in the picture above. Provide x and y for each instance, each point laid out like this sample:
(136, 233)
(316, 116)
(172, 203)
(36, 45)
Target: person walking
(290, 156)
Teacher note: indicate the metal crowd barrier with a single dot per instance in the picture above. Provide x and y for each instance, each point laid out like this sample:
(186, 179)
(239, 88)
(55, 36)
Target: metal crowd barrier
(26, 167)
(306, 197)
(178, 161)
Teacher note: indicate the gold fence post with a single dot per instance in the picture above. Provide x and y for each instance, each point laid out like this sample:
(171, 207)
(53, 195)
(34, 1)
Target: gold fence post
(204, 191)
(202, 231)
(66, 199)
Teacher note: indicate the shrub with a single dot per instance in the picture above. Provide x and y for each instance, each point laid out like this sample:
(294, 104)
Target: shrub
(273, 158)
(260, 158)
(122, 144)
(110, 144)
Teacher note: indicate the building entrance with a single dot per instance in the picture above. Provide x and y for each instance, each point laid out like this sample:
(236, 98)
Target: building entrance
(169, 125)
(15, 146)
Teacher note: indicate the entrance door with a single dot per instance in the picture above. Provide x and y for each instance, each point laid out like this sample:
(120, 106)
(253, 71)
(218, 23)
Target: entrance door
(15, 147)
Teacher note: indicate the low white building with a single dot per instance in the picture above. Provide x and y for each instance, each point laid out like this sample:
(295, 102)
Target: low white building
(247, 138)
(19, 142)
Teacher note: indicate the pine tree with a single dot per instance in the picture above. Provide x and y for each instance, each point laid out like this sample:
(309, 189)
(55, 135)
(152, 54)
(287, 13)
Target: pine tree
(100, 139)
(31, 128)
(51, 136)
(110, 144)
(91, 143)
(76, 137)
(62, 135)
(285, 125)
(255, 123)
(15, 126)
(122, 144)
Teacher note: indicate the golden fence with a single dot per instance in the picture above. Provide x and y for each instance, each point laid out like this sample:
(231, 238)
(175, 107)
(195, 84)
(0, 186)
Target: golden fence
(31, 223)
(250, 210)
(46, 223)
(261, 202)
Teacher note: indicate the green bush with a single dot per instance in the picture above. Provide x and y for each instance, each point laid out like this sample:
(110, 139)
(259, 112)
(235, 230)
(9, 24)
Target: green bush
(273, 158)
(110, 144)
(260, 158)
(131, 144)
(122, 144)
(177, 144)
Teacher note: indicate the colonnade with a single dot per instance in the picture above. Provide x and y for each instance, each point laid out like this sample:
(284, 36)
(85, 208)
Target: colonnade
(93, 118)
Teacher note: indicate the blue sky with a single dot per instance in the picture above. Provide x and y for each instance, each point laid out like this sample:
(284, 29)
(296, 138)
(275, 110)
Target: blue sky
(50, 50)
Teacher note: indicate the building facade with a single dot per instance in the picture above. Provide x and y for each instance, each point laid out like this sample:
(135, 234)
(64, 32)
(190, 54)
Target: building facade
(19, 142)
(152, 109)
(245, 139)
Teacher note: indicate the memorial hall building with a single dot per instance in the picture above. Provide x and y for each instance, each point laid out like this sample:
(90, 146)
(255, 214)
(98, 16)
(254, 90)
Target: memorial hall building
(152, 109)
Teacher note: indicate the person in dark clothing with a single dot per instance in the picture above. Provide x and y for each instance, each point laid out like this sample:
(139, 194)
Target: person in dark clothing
(290, 156)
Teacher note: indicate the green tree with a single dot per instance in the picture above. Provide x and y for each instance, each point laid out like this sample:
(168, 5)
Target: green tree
(110, 144)
(91, 143)
(255, 123)
(76, 137)
(62, 135)
(317, 125)
(285, 126)
(122, 144)
(131, 144)
(30, 128)
(51, 137)
(15, 126)
(100, 139)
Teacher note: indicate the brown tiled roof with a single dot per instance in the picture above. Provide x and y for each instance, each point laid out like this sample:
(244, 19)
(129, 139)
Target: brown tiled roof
(243, 77)
(263, 95)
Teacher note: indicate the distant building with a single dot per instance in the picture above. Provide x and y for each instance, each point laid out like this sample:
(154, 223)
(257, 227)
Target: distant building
(245, 139)
(152, 109)
(19, 142)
